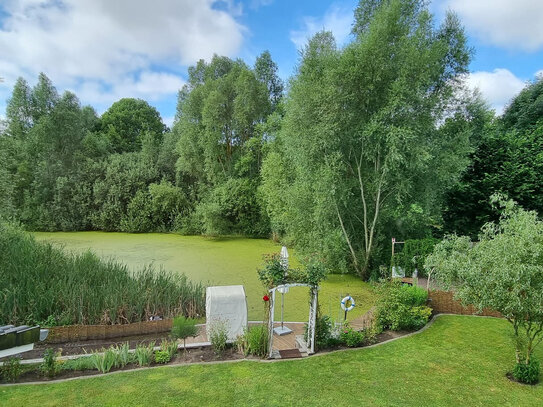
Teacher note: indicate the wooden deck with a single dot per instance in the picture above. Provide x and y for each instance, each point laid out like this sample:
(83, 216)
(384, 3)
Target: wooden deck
(288, 341)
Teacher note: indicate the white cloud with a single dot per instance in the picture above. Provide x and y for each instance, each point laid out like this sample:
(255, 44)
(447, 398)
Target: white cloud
(103, 49)
(336, 19)
(497, 87)
(513, 24)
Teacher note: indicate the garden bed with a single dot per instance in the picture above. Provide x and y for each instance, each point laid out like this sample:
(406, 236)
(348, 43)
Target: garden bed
(94, 345)
(196, 355)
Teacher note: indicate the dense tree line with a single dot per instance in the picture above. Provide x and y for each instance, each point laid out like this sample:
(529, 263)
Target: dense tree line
(374, 140)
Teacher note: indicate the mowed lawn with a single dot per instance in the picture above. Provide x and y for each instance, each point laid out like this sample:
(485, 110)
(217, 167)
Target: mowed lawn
(220, 261)
(458, 361)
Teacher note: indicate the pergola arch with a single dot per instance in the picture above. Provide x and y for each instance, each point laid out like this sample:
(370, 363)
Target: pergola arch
(311, 323)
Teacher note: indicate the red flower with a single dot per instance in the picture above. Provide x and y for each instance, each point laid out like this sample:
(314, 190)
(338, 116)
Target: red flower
(266, 298)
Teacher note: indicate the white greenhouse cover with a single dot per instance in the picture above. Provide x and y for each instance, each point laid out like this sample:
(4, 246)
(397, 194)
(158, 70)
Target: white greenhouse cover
(227, 304)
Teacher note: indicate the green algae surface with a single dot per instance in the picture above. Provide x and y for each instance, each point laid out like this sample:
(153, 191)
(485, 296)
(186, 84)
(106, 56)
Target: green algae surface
(216, 261)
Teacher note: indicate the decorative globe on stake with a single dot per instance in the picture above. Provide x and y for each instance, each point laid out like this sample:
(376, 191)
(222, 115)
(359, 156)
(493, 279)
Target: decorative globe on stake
(283, 330)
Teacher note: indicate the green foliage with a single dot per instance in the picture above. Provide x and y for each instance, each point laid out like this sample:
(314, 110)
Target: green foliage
(526, 109)
(11, 370)
(127, 122)
(144, 354)
(352, 338)
(413, 254)
(124, 356)
(258, 340)
(50, 365)
(218, 336)
(183, 328)
(254, 341)
(527, 372)
(105, 360)
(359, 142)
(502, 272)
(170, 347)
(506, 161)
(162, 356)
(219, 142)
(82, 363)
(273, 274)
(324, 335)
(41, 283)
(401, 307)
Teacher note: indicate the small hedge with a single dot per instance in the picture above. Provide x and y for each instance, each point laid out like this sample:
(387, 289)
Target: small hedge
(402, 307)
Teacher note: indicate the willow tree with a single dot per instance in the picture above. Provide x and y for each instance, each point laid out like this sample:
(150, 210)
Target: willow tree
(360, 133)
(219, 115)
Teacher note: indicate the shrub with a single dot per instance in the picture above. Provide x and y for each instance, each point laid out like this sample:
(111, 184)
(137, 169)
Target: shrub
(352, 338)
(162, 356)
(183, 328)
(170, 347)
(402, 307)
(527, 372)
(218, 336)
(144, 354)
(11, 369)
(50, 365)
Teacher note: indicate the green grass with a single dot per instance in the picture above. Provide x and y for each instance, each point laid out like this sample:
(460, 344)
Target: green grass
(222, 261)
(459, 361)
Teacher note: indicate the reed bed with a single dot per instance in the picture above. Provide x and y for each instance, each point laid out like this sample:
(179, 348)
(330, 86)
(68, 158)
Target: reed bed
(41, 284)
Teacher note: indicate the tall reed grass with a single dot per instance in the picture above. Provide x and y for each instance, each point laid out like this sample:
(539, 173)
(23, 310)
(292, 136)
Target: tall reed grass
(40, 283)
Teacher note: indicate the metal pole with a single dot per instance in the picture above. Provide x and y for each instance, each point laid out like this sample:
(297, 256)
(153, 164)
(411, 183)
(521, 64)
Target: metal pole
(282, 308)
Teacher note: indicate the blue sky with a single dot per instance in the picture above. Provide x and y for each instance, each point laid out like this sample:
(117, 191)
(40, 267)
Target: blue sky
(104, 50)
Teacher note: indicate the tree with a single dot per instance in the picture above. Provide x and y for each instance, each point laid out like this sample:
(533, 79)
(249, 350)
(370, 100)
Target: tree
(183, 328)
(127, 121)
(507, 159)
(220, 116)
(361, 128)
(266, 72)
(19, 109)
(503, 271)
(526, 109)
(44, 98)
